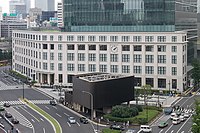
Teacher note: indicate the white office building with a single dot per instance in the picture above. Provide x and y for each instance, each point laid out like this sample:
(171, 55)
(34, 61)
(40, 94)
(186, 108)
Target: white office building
(60, 14)
(154, 58)
(45, 5)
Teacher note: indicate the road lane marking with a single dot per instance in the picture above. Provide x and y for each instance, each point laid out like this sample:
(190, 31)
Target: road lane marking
(25, 107)
(169, 128)
(66, 114)
(183, 124)
(58, 115)
(182, 131)
(47, 107)
(54, 107)
(44, 130)
(41, 119)
(78, 124)
(32, 120)
(17, 107)
(161, 131)
(172, 131)
(68, 124)
(30, 114)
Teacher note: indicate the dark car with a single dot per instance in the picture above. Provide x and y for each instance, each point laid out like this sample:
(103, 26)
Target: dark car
(6, 104)
(84, 120)
(61, 100)
(168, 111)
(117, 127)
(2, 108)
(8, 115)
(15, 121)
(53, 102)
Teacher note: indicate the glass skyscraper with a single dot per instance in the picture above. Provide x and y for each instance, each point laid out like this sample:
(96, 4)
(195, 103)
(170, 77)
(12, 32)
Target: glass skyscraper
(128, 15)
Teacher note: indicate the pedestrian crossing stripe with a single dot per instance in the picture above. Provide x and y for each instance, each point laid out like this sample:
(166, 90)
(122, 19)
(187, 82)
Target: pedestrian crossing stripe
(40, 101)
(16, 102)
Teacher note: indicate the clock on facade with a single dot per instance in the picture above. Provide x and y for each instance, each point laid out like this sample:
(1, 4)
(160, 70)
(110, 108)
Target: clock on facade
(114, 49)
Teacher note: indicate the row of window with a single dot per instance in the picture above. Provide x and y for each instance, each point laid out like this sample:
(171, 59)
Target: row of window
(92, 38)
(137, 58)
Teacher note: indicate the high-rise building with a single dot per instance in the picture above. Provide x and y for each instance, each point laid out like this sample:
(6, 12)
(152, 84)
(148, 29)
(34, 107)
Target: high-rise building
(60, 14)
(45, 5)
(28, 5)
(1, 14)
(18, 7)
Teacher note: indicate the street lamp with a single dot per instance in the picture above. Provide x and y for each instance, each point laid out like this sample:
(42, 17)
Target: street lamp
(136, 95)
(169, 87)
(91, 103)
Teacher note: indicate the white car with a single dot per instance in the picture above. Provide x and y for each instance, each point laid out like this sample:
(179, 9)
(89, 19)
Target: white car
(146, 128)
(186, 115)
(173, 115)
(130, 131)
(72, 120)
(182, 118)
(176, 120)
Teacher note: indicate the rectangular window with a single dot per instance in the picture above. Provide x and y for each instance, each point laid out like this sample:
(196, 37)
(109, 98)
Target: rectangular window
(174, 59)
(174, 83)
(81, 57)
(102, 68)
(125, 58)
(137, 69)
(91, 38)
(113, 38)
(70, 56)
(162, 70)
(174, 48)
(45, 67)
(125, 47)
(51, 56)
(114, 68)
(148, 38)
(91, 57)
(59, 38)
(137, 58)
(52, 66)
(149, 58)
(149, 70)
(44, 38)
(103, 47)
(92, 67)
(70, 38)
(125, 38)
(137, 48)
(114, 57)
(102, 38)
(150, 81)
(59, 66)
(69, 78)
(45, 46)
(70, 67)
(81, 67)
(70, 46)
(103, 57)
(161, 39)
(161, 58)
(149, 48)
(137, 38)
(59, 46)
(44, 55)
(161, 83)
(174, 70)
(60, 56)
(52, 46)
(161, 48)
(60, 78)
(81, 47)
(80, 38)
(174, 38)
(51, 38)
(92, 47)
(125, 69)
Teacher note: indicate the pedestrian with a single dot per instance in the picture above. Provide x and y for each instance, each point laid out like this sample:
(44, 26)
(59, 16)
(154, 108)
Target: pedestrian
(127, 124)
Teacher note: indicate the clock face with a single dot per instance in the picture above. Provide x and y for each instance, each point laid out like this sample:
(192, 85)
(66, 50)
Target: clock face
(114, 48)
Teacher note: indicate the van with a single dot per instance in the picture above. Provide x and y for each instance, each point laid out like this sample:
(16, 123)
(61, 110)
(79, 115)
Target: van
(146, 128)
(176, 120)
(173, 115)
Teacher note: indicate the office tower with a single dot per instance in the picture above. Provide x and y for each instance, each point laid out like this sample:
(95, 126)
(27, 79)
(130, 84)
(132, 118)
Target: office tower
(45, 5)
(17, 7)
(60, 14)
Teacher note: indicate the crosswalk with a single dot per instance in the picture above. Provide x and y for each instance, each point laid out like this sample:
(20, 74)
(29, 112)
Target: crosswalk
(16, 102)
(40, 101)
(13, 87)
(22, 120)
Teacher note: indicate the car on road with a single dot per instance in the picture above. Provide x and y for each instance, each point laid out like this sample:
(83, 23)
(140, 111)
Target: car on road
(7, 104)
(53, 102)
(186, 115)
(71, 120)
(176, 120)
(130, 131)
(173, 115)
(117, 127)
(168, 111)
(2, 108)
(162, 124)
(182, 118)
(84, 120)
(8, 115)
(146, 128)
(15, 121)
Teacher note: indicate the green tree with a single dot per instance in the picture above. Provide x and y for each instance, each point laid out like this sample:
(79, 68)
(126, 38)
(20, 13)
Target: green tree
(196, 117)
(196, 71)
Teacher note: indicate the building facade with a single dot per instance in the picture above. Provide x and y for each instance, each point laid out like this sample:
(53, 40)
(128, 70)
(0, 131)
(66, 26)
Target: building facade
(60, 14)
(45, 5)
(17, 7)
(154, 58)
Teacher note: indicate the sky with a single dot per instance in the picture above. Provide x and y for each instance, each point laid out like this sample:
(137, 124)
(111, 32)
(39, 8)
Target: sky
(5, 4)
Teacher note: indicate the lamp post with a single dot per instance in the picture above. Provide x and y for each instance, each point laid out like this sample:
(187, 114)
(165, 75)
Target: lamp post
(136, 95)
(23, 90)
(169, 86)
(91, 102)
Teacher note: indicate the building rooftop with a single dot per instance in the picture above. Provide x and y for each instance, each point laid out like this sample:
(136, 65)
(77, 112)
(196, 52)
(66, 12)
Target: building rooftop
(96, 77)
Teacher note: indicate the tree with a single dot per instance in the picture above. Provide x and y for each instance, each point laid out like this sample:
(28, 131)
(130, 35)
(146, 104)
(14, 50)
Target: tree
(196, 71)
(196, 117)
